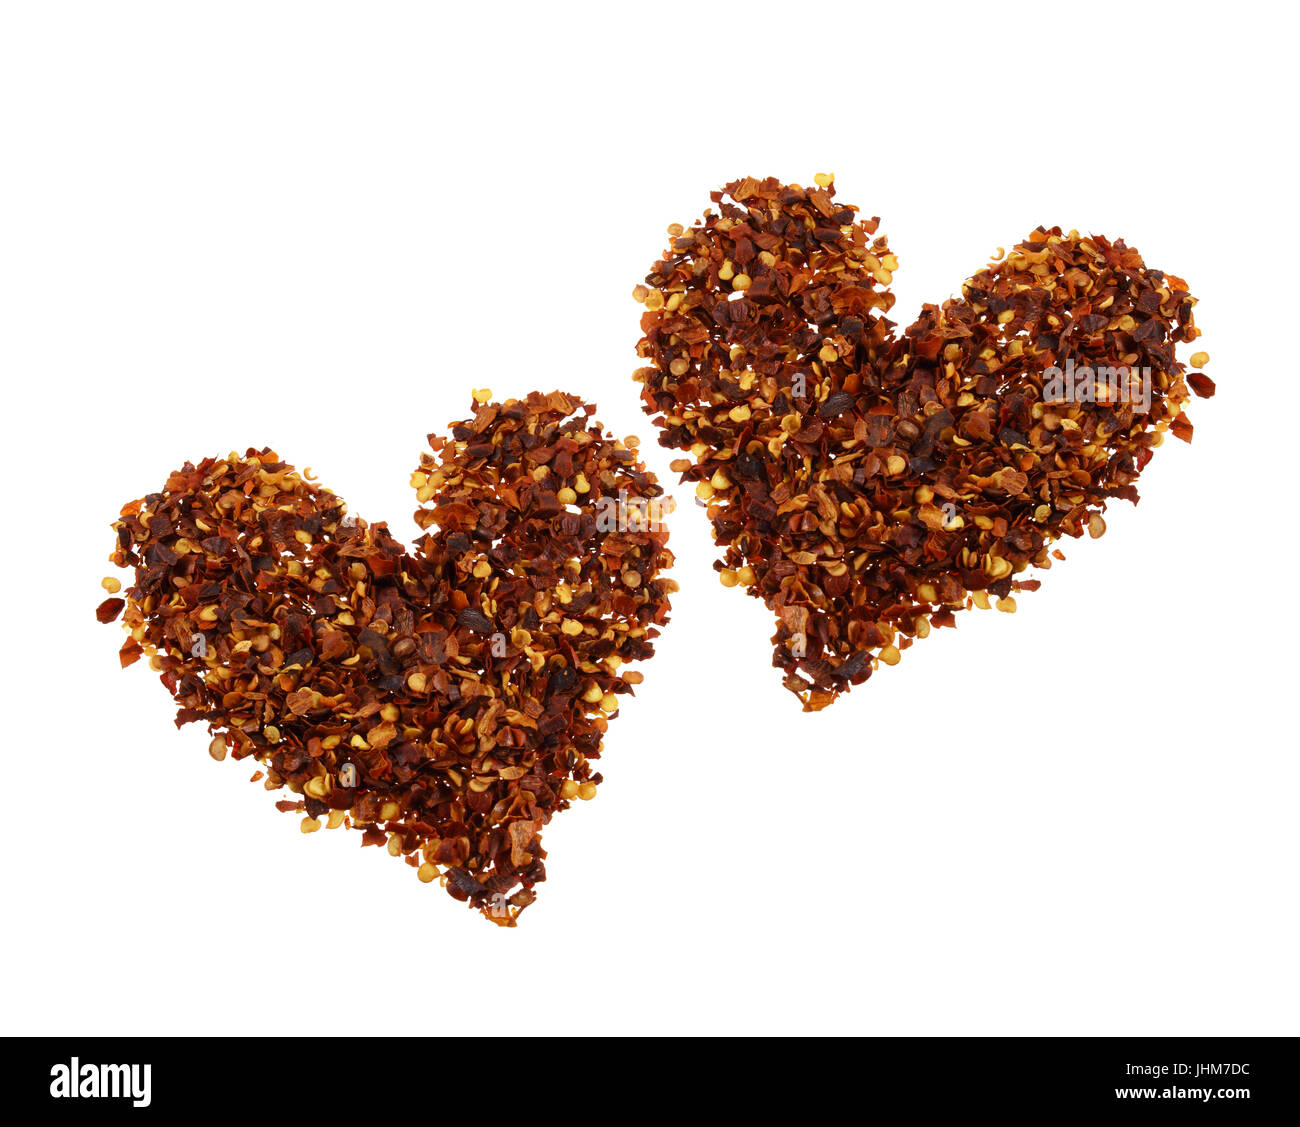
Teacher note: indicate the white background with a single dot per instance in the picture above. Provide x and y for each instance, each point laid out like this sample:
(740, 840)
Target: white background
(318, 226)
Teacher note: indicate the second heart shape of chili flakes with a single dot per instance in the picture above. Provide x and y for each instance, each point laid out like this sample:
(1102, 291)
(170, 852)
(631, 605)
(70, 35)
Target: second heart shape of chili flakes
(447, 701)
(866, 484)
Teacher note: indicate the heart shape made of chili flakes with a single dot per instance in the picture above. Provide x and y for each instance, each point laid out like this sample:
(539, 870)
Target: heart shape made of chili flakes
(865, 484)
(447, 700)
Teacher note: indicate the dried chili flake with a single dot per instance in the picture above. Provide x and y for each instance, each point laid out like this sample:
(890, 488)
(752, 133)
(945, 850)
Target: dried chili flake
(109, 609)
(865, 483)
(446, 701)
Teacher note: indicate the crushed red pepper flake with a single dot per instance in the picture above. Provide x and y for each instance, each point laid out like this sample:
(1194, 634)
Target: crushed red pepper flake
(109, 609)
(865, 483)
(446, 701)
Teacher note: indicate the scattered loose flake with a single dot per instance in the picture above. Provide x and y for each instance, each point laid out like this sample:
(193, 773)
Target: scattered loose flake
(109, 609)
